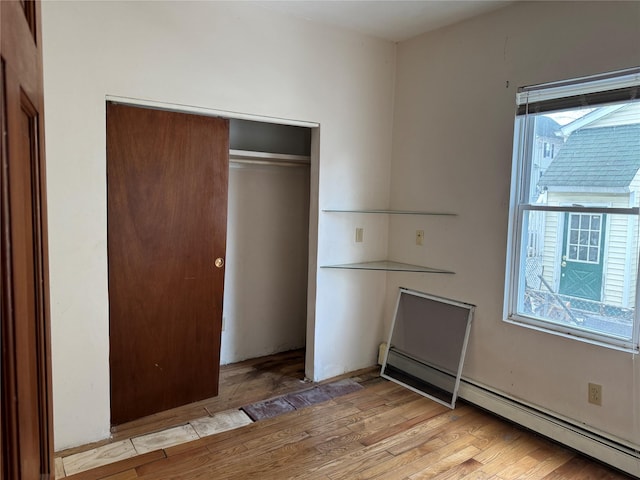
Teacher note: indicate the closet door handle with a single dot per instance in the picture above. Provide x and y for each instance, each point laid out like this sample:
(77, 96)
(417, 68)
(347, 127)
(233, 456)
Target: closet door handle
(219, 263)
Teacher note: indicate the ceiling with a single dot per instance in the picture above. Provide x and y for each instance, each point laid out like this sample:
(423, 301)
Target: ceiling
(394, 20)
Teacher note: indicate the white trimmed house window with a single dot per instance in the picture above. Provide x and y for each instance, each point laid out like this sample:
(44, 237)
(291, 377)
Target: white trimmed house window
(574, 238)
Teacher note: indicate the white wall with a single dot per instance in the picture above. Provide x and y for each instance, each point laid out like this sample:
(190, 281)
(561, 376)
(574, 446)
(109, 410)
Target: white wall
(265, 302)
(453, 130)
(231, 56)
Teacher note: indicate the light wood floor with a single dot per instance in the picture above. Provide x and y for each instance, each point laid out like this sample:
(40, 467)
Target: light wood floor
(383, 431)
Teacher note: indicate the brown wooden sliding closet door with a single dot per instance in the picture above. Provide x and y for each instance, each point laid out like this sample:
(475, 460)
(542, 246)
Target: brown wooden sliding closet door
(167, 215)
(26, 415)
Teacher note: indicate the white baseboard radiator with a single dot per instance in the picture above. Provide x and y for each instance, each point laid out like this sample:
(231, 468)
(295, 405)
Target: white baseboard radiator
(613, 452)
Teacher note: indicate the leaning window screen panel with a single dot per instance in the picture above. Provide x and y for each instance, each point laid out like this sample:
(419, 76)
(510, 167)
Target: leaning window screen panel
(427, 344)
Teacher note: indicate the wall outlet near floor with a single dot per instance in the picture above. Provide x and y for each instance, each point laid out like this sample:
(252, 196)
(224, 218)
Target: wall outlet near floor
(359, 235)
(595, 394)
(419, 237)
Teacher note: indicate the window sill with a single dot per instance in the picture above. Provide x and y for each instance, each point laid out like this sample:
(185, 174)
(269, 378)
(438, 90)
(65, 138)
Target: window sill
(569, 334)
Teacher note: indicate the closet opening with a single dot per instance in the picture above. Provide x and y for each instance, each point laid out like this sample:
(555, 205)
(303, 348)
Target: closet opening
(268, 313)
(266, 277)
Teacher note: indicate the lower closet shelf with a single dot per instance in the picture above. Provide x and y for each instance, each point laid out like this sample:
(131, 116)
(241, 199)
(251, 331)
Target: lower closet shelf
(388, 266)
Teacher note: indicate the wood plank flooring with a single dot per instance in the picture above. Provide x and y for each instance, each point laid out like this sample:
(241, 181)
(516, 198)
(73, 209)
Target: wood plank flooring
(383, 431)
(241, 384)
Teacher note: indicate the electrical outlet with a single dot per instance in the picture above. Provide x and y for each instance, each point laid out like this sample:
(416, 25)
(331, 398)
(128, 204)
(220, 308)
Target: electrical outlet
(595, 394)
(359, 235)
(419, 237)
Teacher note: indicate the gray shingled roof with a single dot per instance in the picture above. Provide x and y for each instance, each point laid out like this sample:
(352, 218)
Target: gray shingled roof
(596, 157)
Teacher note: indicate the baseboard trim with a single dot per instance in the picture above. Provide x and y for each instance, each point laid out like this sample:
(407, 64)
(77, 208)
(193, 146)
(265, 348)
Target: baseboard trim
(605, 449)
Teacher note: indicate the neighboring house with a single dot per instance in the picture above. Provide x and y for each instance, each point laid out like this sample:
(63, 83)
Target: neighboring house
(585, 258)
(548, 141)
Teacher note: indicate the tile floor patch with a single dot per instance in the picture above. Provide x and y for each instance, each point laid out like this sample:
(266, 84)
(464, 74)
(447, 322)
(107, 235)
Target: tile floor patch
(268, 409)
(294, 401)
(59, 468)
(220, 422)
(166, 438)
(307, 398)
(97, 457)
(341, 387)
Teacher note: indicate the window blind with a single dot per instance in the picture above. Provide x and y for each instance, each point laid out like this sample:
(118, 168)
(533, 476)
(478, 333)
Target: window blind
(613, 87)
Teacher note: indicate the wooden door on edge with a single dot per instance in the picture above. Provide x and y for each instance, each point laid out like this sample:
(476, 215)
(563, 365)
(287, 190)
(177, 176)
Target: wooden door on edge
(167, 177)
(26, 414)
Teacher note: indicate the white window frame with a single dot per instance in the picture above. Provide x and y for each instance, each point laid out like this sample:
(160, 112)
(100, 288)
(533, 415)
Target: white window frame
(596, 90)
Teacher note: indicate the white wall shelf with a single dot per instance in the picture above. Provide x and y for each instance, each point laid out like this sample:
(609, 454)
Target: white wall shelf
(389, 265)
(390, 212)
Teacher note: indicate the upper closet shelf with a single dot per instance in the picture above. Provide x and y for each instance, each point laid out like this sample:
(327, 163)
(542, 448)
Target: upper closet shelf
(282, 159)
(392, 212)
(388, 266)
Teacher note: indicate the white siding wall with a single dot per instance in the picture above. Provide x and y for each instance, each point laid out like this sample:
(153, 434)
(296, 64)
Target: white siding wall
(552, 248)
(624, 116)
(633, 241)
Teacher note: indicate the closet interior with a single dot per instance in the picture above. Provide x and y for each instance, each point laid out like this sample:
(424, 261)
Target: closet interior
(265, 296)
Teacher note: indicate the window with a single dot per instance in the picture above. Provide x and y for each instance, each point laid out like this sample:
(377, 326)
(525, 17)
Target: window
(574, 237)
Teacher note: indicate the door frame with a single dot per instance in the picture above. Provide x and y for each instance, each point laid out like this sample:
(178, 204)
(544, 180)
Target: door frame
(26, 417)
(312, 264)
